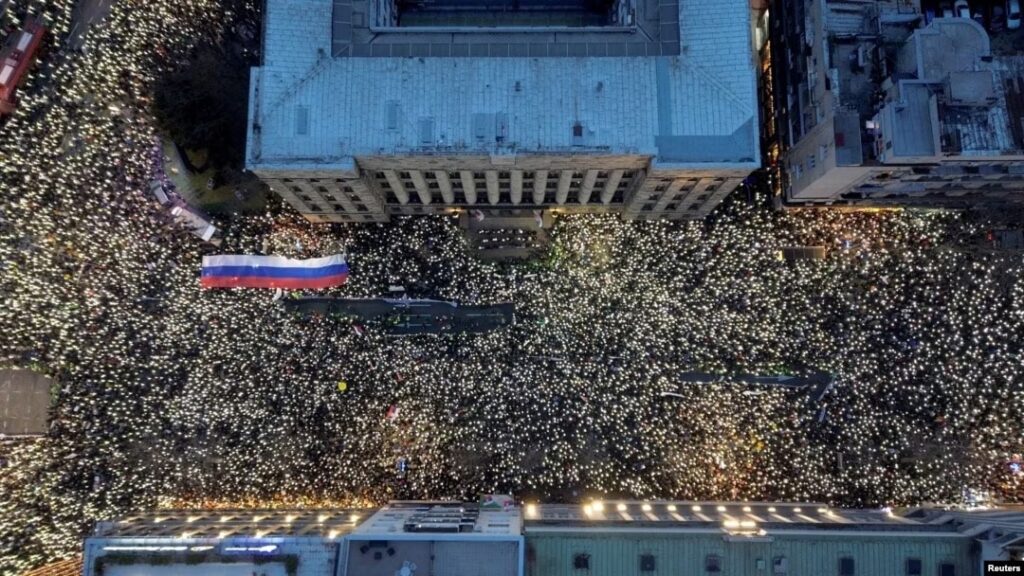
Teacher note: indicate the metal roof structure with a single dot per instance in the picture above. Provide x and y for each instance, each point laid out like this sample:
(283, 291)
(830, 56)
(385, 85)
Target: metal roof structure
(748, 518)
(608, 537)
(220, 524)
(313, 110)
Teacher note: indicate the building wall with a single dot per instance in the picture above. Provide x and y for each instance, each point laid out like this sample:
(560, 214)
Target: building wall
(618, 554)
(812, 158)
(949, 181)
(381, 186)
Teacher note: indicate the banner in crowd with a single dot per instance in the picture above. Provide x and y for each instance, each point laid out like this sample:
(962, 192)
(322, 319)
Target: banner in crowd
(273, 272)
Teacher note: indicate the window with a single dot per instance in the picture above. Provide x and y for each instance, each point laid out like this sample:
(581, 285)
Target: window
(913, 567)
(947, 569)
(846, 566)
(780, 565)
(647, 562)
(581, 562)
(811, 162)
(391, 115)
(301, 121)
(713, 564)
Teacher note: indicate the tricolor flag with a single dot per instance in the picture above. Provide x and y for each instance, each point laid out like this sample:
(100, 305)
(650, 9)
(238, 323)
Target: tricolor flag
(273, 272)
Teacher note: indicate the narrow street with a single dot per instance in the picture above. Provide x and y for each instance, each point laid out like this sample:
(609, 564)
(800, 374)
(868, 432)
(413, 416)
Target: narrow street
(87, 13)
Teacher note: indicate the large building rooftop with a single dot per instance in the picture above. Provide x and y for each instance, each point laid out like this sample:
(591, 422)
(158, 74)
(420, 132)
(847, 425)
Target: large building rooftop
(603, 537)
(675, 79)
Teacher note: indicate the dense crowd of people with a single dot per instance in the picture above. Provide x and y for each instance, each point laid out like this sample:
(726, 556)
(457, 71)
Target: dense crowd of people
(170, 395)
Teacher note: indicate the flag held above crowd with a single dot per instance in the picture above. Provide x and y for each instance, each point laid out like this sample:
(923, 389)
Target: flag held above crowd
(230, 271)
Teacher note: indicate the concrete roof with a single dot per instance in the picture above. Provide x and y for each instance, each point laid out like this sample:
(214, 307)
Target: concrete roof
(391, 521)
(312, 110)
(914, 121)
(949, 45)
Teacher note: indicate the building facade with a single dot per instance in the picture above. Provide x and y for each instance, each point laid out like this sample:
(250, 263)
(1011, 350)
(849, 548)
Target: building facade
(874, 104)
(598, 538)
(364, 109)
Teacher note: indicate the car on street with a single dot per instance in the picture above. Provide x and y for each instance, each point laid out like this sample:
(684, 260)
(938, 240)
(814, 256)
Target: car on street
(1013, 14)
(998, 21)
(962, 9)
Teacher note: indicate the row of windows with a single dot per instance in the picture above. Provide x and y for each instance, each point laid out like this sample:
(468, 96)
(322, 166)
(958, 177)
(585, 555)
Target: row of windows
(505, 197)
(676, 206)
(715, 184)
(504, 180)
(504, 175)
(846, 565)
(328, 201)
(343, 184)
(315, 208)
(346, 217)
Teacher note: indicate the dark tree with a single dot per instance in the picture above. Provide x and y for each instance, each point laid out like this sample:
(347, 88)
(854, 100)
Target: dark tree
(202, 105)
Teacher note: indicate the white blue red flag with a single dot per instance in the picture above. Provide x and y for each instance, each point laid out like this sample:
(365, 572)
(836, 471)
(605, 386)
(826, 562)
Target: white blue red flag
(273, 272)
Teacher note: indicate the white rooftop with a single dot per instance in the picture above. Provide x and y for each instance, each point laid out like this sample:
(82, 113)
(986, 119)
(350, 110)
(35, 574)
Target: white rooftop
(435, 518)
(312, 110)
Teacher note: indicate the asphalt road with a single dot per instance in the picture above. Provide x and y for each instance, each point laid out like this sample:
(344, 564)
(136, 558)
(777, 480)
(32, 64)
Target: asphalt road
(87, 13)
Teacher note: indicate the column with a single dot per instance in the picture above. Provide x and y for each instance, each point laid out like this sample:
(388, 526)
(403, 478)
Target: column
(699, 188)
(637, 193)
(589, 179)
(368, 195)
(540, 186)
(564, 180)
(611, 185)
(493, 191)
(338, 194)
(468, 186)
(668, 195)
(445, 185)
(317, 198)
(420, 183)
(398, 186)
(517, 186)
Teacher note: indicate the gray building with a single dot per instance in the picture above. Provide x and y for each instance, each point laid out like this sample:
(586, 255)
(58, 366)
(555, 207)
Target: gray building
(874, 105)
(364, 109)
(596, 538)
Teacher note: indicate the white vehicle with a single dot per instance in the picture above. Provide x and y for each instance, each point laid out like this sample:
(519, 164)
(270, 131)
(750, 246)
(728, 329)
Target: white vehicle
(962, 9)
(1013, 14)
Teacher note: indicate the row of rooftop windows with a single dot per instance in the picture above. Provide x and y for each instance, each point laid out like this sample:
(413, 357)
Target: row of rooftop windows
(504, 179)
(665, 184)
(505, 197)
(506, 175)
(845, 566)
